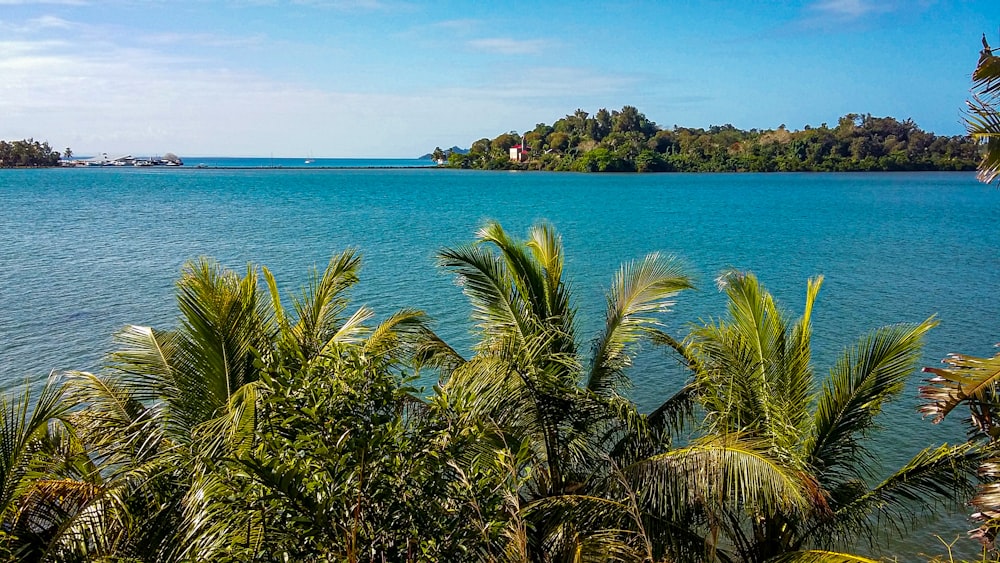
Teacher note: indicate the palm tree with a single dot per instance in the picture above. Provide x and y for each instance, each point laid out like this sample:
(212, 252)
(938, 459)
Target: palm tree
(755, 385)
(173, 403)
(983, 119)
(529, 377)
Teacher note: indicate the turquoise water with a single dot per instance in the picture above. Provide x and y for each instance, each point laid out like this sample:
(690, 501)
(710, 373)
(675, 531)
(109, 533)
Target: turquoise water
(85, 251)
(303, 162)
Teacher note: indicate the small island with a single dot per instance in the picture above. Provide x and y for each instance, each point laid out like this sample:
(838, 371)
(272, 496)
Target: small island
(28, 153)
(627, 141)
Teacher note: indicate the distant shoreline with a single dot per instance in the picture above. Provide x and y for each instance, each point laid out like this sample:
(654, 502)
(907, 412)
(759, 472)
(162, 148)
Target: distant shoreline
(530, 171)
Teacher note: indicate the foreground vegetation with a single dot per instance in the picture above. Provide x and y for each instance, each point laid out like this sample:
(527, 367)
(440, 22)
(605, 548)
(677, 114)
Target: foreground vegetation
(626, 141)
(263, 428)
(28, 153)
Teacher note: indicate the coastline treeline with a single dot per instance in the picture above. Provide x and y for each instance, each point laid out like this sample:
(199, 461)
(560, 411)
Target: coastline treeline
(627, 141)
(27, 153)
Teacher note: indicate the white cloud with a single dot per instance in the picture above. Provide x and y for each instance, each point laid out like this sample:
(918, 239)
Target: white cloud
(55, 2)
(846, 8)
(51, 22)
(824, 11)
(203, 39)
(461, 26)
(508, 46)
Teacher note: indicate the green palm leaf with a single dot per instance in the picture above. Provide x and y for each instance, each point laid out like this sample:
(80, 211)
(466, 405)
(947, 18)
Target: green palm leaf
(934, 478)
(753, 373)
(725, 473)
(537, 283)
(865, 378)
(318, 310)
(639, 291)
(820, 556)
(143, 360)
(23, 420)
(982, 116)
(116, 427)
(225, 326)
(484, 278)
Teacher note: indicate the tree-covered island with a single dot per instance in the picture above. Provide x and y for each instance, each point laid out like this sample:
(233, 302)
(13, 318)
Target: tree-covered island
(28, 153)
(627, 141)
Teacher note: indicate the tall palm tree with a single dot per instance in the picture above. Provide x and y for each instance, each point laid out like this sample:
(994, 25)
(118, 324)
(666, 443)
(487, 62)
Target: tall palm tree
(754, 382)
(528, 374)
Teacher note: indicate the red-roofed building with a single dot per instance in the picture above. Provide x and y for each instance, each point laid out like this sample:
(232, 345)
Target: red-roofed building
(519, 153)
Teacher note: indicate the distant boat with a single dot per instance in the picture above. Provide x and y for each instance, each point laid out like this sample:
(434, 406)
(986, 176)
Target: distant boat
(310, 161)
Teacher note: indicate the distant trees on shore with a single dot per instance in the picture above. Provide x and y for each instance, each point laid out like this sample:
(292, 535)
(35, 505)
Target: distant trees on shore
(27, 153)
(627, 141)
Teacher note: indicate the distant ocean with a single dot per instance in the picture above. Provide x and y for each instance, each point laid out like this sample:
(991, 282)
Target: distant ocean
(86, 251)
(304, 162)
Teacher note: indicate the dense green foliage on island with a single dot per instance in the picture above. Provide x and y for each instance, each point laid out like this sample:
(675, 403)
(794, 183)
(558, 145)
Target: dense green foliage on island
(626, 141)
(27, 153)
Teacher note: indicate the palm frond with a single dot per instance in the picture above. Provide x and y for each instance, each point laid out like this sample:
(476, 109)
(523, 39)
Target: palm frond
(745, 379)
(967, 379)
(935, 478)
(867, 376)
(214, 526)
(986, 77)
(226, 327)
(527, 275)
(498, 310)
(24, 419)
(983, 113)
(820, 556)
(234, 430)
(431, 350)
(323, 300)
(51, 518)
(399, 335)
(670, 417)
(546, 247)
(987, 502)
(797, 377)
(117, 428)
(684, 352)
(724, 474)
(143, 360)
(983, 124)
(639, 291)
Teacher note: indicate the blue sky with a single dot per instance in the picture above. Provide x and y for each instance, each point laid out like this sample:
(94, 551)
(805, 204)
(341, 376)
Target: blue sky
(388, 78)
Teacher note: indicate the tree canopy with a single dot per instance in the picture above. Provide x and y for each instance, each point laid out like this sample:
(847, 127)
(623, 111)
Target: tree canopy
(27, 153)
(626, 140)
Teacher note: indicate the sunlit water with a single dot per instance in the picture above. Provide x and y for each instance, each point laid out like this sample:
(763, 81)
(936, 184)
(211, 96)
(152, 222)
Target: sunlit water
(85, 251)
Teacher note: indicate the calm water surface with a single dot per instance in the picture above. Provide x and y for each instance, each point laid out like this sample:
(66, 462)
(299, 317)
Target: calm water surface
(85, 251)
